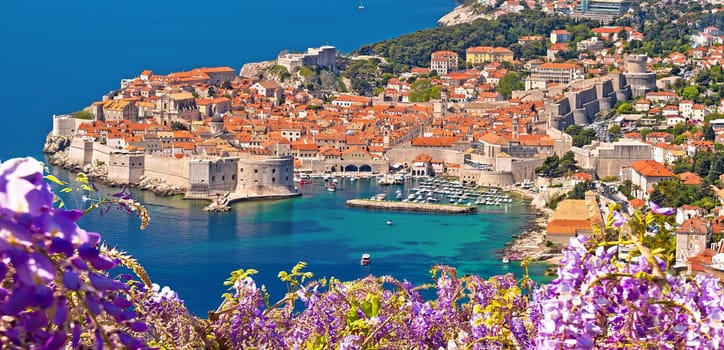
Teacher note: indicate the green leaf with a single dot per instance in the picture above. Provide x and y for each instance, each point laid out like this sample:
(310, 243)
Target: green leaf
(55, 180)
(82, 178)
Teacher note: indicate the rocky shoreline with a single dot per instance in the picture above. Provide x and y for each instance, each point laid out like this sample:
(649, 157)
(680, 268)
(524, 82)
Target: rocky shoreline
(56, 147)
(531, 243)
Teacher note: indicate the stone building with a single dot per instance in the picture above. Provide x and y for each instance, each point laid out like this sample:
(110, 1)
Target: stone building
(324, 56)
(692, 237)
(443, 62)
(573, 218)
(176, 107)
(607, 159)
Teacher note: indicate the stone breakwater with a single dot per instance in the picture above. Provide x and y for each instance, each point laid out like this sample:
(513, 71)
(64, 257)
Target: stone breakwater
(403, 206)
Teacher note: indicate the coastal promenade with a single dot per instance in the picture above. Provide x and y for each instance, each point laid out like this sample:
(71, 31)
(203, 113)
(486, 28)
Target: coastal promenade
(406, 206)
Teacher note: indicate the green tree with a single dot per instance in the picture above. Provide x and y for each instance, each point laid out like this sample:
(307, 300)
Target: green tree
(625, 108)
(679, 129)
(422, 90)
(508, 83)
(681, 165)
(690, 92)
(615, 129)
(549, 168)
(580, 189)
(83, 115)
(568, 164)
(709, 133)
(178, 126)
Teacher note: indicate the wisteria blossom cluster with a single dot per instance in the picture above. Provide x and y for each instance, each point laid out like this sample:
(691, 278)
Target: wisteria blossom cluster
(56, 293)
(55, 289)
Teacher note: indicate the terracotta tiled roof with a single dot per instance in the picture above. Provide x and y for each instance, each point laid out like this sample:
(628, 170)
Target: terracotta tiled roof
(689, 178)
(650, 168)
(695, 225)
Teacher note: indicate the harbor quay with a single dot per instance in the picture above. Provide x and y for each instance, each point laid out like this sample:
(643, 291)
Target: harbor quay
(409, 206)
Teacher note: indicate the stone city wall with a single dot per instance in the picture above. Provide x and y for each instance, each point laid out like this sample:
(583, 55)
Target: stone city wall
(173, 170)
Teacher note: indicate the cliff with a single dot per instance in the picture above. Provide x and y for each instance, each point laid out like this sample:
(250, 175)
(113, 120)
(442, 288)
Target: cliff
(55, 144)
(257, 69)
(463, 14)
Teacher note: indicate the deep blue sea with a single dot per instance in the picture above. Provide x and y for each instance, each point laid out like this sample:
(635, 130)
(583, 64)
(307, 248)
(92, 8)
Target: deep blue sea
(58, 57)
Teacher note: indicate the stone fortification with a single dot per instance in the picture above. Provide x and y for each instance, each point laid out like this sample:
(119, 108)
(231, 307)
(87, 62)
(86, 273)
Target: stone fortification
(402, 155)
(606, 159)
(582, 100)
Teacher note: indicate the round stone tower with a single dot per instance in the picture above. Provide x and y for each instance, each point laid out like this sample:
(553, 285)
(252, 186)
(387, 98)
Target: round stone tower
(636, 63)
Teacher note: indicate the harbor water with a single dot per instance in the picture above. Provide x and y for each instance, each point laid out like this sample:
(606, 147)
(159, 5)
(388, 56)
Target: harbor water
(193, 251)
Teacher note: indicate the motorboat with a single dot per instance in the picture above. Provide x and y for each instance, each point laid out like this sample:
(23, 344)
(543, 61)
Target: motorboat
(365, 260)
(331, 186)
(505, 260)
(389, 222)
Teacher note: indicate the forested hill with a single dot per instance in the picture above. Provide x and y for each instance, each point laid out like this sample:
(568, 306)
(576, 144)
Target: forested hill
(414, 49)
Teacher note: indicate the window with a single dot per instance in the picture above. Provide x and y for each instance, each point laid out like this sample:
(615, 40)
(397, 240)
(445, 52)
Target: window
(241, 170)
(223, 177)
(233, 177)
(274, 171)
(274, 179)
(256, 171)
(213, 178)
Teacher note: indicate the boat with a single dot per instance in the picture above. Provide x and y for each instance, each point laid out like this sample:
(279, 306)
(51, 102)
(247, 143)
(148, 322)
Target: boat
(331, 186)
(389, 222)
(505, 260)
(365, 260)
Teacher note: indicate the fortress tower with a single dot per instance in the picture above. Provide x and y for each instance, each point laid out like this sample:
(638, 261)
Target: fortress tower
(638, 78)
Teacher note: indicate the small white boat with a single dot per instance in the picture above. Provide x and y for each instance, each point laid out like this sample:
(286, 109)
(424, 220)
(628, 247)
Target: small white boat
(389, 222)
(505, 260)
(365, 260)
(331, 186)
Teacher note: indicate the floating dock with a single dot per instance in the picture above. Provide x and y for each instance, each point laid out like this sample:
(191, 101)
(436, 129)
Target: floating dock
(407, 206)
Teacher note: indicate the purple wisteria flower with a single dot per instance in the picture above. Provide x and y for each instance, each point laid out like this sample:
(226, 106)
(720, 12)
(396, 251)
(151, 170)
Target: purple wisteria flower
(46, 261)
(662, 211)
(618, 219)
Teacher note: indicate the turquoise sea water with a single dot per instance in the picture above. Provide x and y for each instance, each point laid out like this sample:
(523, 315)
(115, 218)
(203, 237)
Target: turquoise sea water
(194, 252)
(58, 57)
